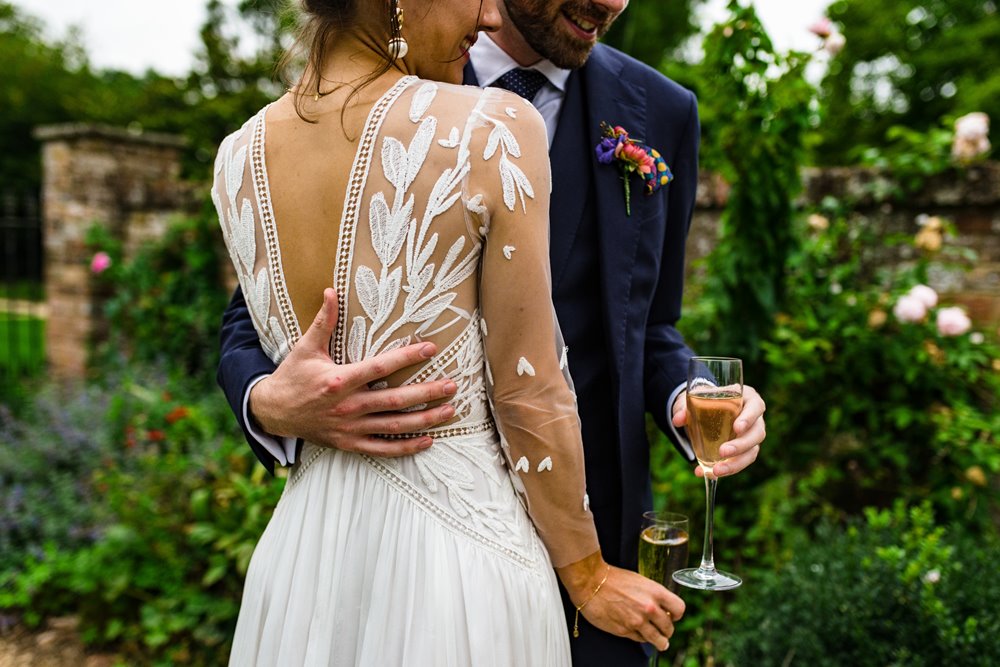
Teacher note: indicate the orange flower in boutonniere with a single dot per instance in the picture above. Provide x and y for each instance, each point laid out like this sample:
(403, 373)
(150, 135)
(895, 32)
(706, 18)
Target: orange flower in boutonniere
(633, 157)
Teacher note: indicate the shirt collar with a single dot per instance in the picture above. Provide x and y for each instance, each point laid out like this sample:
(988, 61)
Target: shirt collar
(490, 62)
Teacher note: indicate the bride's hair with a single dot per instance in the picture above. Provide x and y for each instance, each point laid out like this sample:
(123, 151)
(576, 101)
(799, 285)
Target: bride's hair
(324, 19)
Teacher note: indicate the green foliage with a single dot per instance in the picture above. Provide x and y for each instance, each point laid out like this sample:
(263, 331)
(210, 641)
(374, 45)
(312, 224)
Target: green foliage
(223, 91)
(896, 589)
(181, 512)
(47, 456)
(165, 304)
(908, 63)
(22, 345)
(756, 103)
(652, 31)
(870, 398)
(910, 157)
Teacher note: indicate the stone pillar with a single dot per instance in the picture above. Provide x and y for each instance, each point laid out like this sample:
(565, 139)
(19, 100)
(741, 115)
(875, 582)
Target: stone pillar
(93, 175)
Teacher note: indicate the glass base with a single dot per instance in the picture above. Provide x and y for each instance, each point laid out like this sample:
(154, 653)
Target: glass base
(707, 580)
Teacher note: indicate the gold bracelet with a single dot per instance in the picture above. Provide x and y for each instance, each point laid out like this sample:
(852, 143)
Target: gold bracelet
(576, 621)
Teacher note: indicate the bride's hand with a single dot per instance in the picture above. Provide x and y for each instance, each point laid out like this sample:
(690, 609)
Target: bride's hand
(627, 604)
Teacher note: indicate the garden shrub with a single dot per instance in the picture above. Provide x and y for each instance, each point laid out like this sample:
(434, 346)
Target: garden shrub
(164, 305)
(182, 507)
(894, 589)
(49, 453)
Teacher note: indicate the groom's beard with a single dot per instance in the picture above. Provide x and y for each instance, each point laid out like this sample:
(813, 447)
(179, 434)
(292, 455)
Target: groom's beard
(543, 26)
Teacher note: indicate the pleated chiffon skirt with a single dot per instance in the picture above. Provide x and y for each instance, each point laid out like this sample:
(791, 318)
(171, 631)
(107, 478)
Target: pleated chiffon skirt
(358, 566)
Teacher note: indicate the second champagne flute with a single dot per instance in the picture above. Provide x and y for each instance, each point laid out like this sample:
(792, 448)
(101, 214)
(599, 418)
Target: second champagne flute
(714, 399)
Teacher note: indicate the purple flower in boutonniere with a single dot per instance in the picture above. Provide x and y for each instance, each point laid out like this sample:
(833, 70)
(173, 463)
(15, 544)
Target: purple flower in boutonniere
(633, 157)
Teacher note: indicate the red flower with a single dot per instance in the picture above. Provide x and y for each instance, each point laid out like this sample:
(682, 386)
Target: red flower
(156, 435)
(177, 414)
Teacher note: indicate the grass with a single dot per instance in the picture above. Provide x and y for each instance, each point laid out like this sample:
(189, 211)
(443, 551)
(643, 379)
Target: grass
(22, 344)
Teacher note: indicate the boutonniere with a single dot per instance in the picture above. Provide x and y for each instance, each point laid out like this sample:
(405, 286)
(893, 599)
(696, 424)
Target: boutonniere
(632, 156)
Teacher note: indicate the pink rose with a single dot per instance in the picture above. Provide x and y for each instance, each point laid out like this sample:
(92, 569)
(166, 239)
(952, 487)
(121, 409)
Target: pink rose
(100, 263)
(924, 295)
(953, 322)
(822, 28)
(909, 309)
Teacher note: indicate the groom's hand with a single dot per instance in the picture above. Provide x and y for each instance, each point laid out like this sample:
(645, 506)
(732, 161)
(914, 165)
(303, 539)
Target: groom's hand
(749, 428)
(309, 396)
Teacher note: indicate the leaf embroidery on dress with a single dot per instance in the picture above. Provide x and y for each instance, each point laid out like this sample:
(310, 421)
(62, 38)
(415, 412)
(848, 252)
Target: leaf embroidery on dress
(545, 465)
(524, 366)
(522, 464)
(511, 111)
(508, 250)
(452, 140)
(564, 358)
(586, 502)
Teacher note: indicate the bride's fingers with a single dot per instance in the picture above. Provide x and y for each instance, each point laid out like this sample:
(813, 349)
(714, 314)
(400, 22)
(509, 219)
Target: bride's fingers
(650, 633)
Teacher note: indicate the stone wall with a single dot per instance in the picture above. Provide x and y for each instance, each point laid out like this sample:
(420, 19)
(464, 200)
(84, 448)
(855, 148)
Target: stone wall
(970, 199)
(93, 175)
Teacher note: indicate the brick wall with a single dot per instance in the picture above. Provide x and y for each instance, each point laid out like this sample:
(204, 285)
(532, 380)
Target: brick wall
(970, 199)
(129, 183)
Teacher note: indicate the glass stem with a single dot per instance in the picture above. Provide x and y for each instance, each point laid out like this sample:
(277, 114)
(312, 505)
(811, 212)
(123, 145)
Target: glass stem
(708, 550)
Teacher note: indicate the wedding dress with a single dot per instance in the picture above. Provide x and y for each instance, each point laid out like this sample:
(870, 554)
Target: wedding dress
(442, 235)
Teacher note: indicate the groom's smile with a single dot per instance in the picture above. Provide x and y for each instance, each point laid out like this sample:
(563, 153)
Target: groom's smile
(563, 32)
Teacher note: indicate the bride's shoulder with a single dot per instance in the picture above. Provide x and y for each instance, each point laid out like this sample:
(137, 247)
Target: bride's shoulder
(466, 98)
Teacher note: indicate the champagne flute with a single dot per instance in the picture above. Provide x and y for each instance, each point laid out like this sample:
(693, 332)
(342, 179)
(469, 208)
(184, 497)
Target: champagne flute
(663, 548)
(714, 399)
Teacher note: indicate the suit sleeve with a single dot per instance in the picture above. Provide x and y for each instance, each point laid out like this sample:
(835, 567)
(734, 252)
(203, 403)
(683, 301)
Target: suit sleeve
(666, 354)
(242, 362)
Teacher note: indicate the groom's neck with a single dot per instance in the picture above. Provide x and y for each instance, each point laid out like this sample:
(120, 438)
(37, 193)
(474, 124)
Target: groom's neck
(510, 40)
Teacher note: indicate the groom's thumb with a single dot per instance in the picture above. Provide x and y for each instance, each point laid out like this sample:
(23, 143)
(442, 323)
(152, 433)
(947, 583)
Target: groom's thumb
(321, 330)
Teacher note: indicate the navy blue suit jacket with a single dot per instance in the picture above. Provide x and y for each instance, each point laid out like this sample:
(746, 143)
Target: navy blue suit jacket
(641, 267)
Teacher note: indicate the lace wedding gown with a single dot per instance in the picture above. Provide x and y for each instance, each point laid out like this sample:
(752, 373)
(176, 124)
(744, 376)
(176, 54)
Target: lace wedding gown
(429, 559)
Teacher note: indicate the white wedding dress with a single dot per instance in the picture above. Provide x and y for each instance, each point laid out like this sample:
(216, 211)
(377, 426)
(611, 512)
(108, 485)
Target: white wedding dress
(429, 559)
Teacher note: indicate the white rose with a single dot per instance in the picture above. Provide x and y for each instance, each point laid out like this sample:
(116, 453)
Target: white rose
(953, 322)
(909, 309)
(924, 295)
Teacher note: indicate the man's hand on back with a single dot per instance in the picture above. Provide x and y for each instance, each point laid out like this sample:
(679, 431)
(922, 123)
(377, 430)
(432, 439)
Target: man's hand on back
(309, 396)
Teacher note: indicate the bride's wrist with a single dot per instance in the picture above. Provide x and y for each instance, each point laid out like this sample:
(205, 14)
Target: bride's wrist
(582, 577)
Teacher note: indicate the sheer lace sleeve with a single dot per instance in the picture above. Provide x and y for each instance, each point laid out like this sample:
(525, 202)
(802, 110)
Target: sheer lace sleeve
(528, 384)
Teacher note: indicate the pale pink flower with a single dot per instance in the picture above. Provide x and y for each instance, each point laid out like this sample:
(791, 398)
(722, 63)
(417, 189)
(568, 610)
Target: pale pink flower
(971, 137)
(835, 43)
(822, 28)
(925, 295)
(818, 222)
(932, 576)
(909, 309)
(953, 322)
(100, 263)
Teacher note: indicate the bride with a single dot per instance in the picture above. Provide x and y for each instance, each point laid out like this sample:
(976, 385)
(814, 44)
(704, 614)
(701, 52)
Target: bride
(424, 205)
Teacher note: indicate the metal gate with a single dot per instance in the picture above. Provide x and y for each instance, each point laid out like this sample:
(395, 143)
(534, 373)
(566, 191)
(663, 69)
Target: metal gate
(22, 292)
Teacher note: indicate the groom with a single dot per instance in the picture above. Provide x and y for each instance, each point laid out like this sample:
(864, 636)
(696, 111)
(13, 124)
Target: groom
(617, 280)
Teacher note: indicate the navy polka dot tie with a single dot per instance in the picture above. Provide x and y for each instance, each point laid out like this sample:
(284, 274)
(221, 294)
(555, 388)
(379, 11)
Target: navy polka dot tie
(524, 82)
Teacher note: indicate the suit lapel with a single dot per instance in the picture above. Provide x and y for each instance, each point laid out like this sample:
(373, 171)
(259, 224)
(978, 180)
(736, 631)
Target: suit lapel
(570, 153)
(616, 102)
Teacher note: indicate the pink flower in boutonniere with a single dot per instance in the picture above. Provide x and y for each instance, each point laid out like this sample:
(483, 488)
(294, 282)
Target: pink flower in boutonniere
(633, 157)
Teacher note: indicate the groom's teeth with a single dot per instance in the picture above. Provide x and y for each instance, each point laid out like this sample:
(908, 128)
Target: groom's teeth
(583, 23)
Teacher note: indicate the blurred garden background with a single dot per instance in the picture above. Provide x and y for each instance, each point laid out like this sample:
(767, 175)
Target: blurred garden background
(846, 246)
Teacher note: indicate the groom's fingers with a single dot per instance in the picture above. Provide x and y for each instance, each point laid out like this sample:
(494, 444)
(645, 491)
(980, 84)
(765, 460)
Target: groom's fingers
(399, 423)
(398, 398)
(385, 364)
(387, 448)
